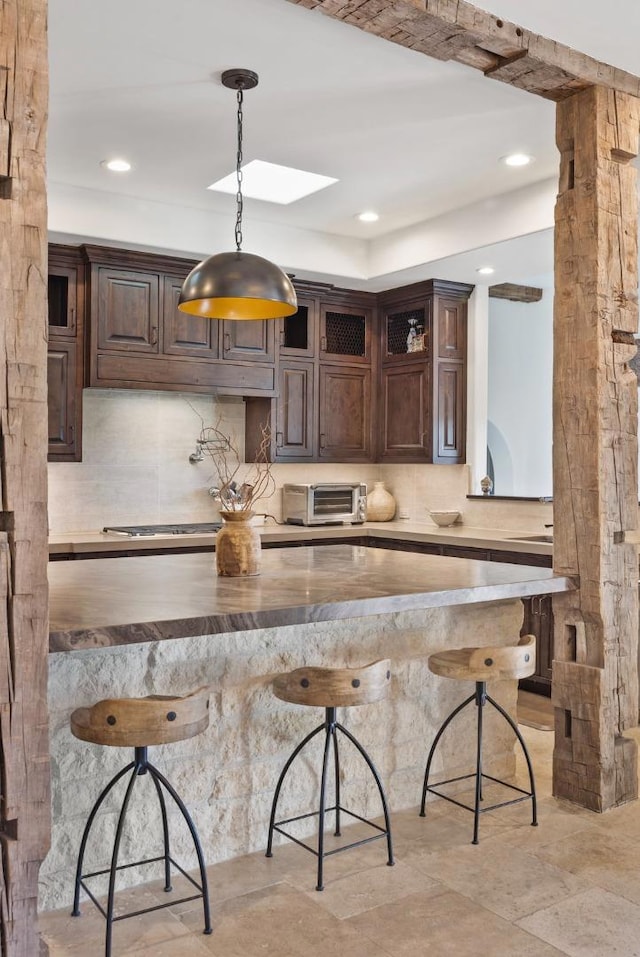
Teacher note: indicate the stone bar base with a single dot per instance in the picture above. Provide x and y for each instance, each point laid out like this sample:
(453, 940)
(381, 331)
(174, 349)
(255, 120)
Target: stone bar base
(227, 775)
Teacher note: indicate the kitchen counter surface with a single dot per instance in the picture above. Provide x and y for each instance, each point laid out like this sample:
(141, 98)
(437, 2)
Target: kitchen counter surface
(95, 604)
(91, 542)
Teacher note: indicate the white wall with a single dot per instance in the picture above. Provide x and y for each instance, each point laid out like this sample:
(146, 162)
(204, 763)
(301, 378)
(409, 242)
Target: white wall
(520, 395)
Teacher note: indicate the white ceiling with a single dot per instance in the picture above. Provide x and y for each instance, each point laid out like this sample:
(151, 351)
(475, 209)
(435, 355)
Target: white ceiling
(408, 136)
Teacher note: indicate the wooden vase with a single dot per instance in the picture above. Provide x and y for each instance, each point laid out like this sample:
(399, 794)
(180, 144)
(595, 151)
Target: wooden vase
(237, 546)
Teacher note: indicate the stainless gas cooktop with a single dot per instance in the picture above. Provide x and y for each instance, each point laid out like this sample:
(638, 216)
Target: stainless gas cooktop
(191, 529)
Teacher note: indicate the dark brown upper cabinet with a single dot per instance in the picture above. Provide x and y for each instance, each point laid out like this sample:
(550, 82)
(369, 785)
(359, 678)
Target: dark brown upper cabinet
(345, 333)
(423, 373)
(139, 339)
(184, 334)
(248, 340)
(128, 310)
(65, 367)
(296, 335)
(344, 419)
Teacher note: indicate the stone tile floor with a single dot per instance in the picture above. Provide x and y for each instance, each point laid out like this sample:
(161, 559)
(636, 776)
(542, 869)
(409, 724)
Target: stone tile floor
(568, 887)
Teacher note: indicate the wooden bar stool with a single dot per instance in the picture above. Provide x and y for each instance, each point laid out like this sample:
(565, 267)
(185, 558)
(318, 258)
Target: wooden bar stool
(139, 723)
(481, 665)
(331, 688)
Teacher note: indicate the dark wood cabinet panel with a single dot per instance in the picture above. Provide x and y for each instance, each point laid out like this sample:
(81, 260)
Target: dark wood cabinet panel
(538, 621)
(128, 311)
(405, 412)
(461, 551)
(450, 420)
(183, 334)
(63, 413)
(297, 334)
(452, 328)
(294, 411)
(345, 414)
(248, 340)
(183, 375)
(406, 330)
(345, 333)
(63, 286)
(65, 363)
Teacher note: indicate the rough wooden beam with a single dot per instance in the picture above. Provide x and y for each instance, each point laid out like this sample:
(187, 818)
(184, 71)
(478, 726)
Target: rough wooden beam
(515, 293)
(457, 30)
(595, 449)
(24, 747)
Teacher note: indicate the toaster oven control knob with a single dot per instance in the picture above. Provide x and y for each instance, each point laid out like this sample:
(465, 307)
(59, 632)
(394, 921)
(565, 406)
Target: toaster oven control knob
(362, 507)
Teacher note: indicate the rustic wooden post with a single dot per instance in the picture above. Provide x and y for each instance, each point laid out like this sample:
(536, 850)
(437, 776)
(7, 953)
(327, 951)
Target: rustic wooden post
(24, 746)
(595, 449)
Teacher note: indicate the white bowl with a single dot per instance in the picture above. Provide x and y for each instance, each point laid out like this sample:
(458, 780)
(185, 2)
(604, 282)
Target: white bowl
(445, 518)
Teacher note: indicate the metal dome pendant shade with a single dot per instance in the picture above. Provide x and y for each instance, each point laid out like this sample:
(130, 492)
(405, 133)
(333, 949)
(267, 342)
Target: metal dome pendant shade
(238, 285)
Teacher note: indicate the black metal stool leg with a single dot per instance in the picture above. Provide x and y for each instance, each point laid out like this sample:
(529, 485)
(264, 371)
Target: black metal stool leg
(165, 833)
(85, 835)
(196, 843)
(525, 751)
(443, 727)
(376, 777)
(283, 774)
(330, 722)
(481, 696)
(138, 769)
(337, 831)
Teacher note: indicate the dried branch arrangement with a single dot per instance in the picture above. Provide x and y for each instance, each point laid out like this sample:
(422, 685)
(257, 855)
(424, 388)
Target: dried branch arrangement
(236, 496)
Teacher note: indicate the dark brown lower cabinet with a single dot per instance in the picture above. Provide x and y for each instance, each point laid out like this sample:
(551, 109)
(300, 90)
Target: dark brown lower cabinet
(538, 621)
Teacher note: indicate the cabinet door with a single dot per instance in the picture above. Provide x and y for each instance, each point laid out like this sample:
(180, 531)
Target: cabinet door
(405, 414)
(294, 411)
(538, 621)
(406, 332)
(449, 437)
(452, 328)
(64, 438)
(128, 311)
(345, 414)
(183, 334)
(297, 333)
(345, 334)
(62, 285)
(252, 340)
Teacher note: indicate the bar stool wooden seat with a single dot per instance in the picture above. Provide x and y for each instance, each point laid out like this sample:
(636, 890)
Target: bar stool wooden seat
(481, 665)
(139, 723)
(331, 688)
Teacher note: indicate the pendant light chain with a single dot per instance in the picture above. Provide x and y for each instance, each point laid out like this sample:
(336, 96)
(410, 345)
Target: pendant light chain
(239, 176)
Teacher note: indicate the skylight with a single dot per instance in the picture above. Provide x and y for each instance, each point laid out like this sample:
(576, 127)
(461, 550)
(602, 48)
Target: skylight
(273, 183)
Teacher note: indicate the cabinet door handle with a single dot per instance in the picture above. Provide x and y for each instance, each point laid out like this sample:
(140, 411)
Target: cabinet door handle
(323, 344)
(154, 335)
(279, 440)
(72, 318)
(322, 440)
(70, 431)
(226, 339)
(282, 337)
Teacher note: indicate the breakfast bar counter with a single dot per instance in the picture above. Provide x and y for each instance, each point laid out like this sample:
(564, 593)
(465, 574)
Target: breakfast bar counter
(97, 603)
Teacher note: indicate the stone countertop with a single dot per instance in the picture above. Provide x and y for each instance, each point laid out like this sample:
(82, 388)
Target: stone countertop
(462, 535)
(96, 604)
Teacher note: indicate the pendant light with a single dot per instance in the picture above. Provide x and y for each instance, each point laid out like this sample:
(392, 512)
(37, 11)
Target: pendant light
(238, 285)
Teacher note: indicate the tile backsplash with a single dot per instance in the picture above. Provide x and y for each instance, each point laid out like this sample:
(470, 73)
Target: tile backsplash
(136, 470)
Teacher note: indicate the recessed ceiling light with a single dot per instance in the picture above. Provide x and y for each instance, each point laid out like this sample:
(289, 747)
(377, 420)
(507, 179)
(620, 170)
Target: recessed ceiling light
(273, 183)
(116, 165)
(368, 217)
(485, 270)
(517, 159)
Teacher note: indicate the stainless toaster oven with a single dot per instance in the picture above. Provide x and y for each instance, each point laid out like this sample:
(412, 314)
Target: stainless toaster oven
(324, 503)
